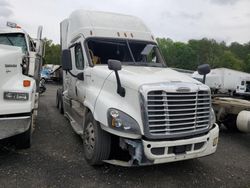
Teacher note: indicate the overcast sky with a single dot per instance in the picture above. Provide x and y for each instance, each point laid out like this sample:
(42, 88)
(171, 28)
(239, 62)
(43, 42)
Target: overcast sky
(180, 20)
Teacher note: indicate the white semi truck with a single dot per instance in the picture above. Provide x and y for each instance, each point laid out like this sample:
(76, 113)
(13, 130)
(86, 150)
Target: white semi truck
(119, 95)
(20, 63)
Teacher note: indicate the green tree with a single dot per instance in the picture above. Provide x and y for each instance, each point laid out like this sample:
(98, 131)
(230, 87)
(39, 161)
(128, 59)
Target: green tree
(52, 52)
(177, 54)
(229, 60)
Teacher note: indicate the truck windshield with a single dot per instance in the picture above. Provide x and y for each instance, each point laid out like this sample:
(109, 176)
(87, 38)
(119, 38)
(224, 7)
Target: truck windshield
(129, 52)
(14, 39)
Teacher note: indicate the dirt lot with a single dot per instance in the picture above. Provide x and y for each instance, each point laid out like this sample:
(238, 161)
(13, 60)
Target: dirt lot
(56, 160)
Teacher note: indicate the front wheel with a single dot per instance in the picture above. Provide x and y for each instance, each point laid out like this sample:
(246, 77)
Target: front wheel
(96, 142)
(23, 141)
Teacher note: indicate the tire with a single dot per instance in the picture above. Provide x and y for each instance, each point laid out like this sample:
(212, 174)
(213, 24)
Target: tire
(96, 142)
(60, 105)
(57, 99)
(24, 140)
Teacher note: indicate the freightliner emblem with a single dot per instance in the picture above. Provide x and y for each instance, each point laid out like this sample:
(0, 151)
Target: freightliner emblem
(10, 65)
(183, 89)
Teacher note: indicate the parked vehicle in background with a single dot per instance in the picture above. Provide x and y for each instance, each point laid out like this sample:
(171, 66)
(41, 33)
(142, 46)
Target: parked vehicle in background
(118, 94)
(20, 65)
(243, 87)
(223, 80)
(45, 74)
(51, 72)
(56, 73)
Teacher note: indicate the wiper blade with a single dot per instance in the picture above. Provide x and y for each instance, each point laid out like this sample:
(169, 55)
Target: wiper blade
(149, 64)
(9, 40)
(128, 63)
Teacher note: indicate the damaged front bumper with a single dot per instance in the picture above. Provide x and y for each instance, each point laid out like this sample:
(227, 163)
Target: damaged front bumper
(144, 152)
(11, 126)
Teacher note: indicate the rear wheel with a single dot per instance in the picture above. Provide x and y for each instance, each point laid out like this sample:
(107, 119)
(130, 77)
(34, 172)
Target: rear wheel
(57, 100)
(60, 106)
(96, 142)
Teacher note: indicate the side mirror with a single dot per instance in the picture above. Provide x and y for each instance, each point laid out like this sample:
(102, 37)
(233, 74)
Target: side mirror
(80, 76)
(66, 60)
(204, 70)
(114, 65)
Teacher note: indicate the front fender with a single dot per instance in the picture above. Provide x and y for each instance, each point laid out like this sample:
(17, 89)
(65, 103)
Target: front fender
(109, 98)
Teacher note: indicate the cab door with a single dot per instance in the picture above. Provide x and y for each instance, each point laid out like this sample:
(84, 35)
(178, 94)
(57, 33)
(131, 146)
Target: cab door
(77, 91)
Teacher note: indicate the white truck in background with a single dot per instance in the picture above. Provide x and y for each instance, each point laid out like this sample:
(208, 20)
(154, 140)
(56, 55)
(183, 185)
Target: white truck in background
(119, 95)
(224, 80)
(20, 64)
(243, 87)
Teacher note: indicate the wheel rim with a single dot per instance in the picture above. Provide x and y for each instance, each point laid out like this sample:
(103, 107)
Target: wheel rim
(89, 139)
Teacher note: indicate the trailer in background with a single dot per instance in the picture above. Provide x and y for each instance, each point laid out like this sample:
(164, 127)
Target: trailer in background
(223, 80)
(243, 87)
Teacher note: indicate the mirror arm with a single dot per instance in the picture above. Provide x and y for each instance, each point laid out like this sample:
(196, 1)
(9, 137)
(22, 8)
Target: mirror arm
(204, 79)
(120, 90)
(68, 71)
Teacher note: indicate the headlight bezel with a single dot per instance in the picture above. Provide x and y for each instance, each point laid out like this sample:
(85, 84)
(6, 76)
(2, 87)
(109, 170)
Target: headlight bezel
(15, 96)
(122, 122)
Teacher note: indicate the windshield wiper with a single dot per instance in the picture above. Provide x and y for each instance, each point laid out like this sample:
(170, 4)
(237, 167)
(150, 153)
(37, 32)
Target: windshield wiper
(143, 64)
(9, 41)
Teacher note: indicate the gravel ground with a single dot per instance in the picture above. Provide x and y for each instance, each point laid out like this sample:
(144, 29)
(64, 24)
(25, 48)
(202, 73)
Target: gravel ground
(56, 160)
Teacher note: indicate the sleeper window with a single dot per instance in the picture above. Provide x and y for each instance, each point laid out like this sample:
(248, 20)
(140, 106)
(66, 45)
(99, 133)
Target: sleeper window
(79, 57)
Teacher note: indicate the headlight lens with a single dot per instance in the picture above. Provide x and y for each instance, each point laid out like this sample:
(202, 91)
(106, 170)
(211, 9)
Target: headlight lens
(16, 96)
(213, 117)
(121, 121)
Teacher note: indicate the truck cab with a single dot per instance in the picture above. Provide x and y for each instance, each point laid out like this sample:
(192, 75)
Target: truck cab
(120, 96)
(243, 87)
(21, 60)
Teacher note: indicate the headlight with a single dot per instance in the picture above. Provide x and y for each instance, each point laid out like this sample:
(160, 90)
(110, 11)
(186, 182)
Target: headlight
(213, 118)
(121, 121)
(16, 96)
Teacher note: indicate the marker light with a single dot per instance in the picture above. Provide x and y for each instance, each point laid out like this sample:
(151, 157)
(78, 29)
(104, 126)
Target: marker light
(215, 141)
(26, 83)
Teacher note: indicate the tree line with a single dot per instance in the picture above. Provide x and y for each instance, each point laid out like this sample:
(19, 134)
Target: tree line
(52, 52)
(186, 55)
(205, 51)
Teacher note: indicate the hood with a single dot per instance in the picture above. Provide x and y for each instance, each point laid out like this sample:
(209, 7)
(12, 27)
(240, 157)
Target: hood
(135, 76)
(10, 63)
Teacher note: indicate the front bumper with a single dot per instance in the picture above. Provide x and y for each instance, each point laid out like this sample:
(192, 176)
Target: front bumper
(167, 151)
(156, 152)
(11, 126)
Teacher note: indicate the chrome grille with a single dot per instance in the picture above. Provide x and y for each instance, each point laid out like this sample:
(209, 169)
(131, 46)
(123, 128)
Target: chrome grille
(176, 113)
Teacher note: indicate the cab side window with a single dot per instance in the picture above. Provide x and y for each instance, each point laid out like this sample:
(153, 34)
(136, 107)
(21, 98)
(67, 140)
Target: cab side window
(31, 45)
(79, 57)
